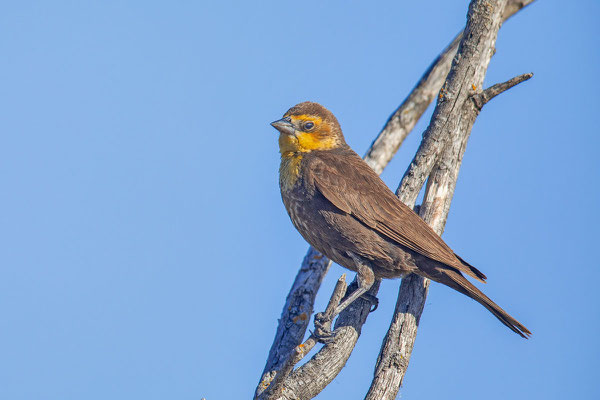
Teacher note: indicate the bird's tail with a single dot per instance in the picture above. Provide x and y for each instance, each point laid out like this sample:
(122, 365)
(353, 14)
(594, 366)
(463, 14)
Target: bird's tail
(457, 281)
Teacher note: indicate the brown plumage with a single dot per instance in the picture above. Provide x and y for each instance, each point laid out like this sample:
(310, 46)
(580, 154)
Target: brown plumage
(342, 208)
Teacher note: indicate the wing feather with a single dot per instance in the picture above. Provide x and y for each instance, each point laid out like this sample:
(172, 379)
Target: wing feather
(353, 187)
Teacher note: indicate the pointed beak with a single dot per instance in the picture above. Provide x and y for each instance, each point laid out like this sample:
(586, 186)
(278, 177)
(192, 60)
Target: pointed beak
(284, 125)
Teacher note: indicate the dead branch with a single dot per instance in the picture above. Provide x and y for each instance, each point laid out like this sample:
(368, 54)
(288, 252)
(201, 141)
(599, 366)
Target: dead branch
(439, 158)
(405, 117)
(308, 380)
(482, 98)
(300, 301)
(300, 351)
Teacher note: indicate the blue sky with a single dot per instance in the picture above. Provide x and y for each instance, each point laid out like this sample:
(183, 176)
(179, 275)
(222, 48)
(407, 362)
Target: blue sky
(145, 250)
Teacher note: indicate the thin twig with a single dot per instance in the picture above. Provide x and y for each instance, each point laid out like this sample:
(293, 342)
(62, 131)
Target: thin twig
(482, 98)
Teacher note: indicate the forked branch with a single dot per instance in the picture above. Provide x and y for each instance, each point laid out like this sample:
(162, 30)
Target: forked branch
(300, 351)
(440, 154)
(300, 301)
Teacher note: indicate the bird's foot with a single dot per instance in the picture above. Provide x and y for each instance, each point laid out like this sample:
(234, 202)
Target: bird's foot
(323, 332)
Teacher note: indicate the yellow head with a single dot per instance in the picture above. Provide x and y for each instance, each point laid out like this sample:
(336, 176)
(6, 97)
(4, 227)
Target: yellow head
(306, 127)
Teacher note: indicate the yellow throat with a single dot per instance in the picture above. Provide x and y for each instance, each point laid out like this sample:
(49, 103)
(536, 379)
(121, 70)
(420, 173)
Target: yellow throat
(292, 147)
(289, 171)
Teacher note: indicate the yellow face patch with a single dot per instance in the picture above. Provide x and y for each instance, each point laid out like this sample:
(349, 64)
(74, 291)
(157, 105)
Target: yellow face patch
(315, 141)
(318, 138)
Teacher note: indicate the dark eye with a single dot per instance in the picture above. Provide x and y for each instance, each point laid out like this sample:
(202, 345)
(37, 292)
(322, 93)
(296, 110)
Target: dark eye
(308, 126)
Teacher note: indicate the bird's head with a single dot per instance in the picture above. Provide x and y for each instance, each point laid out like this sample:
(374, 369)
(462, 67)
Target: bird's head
(306, 127)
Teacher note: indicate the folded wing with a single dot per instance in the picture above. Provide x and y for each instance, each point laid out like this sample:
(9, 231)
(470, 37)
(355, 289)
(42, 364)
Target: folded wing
(353, 187)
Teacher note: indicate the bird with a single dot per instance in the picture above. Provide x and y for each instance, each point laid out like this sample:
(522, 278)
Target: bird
(343, 209)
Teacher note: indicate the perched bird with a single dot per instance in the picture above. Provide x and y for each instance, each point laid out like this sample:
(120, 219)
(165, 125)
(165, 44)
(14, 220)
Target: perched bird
(344, 210)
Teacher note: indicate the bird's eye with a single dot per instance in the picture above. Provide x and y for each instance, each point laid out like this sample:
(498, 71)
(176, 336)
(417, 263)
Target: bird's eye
(308, 126)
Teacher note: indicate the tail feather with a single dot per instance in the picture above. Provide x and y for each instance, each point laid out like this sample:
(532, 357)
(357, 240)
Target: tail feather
(457, 281)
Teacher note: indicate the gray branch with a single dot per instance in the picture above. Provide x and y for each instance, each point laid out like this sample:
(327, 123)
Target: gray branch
(308, 380)
(275, 390)
(465, 77)
(439, 158)
(404, 119)
(482, 98)
(296, 314)
(300, 300)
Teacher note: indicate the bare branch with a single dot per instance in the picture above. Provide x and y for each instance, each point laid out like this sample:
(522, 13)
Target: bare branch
(406, 116)
(303, 349)
(466, 75)
(296, 314)
(439, 158)
(309, 379)
(482, 98)
(404, 119)
(300, 300)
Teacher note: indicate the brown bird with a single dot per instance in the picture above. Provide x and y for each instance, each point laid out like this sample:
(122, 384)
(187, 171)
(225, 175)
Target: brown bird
(344, 210)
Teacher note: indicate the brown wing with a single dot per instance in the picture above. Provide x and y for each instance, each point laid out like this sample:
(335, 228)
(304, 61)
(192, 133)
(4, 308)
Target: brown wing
(353, 187)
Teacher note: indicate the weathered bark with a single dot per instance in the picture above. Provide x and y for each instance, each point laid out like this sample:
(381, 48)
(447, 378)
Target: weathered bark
(406, 116)
(308, 380)
(404, 119)
(465, 78)
(439, 158)
(276, 388)
(296, 314)
(312, 377)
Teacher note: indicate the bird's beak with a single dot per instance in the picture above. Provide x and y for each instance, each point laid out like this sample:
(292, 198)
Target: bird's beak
(284, 125)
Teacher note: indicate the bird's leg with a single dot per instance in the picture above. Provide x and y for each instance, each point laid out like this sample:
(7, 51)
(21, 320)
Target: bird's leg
(365, 279)
(366, 296)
